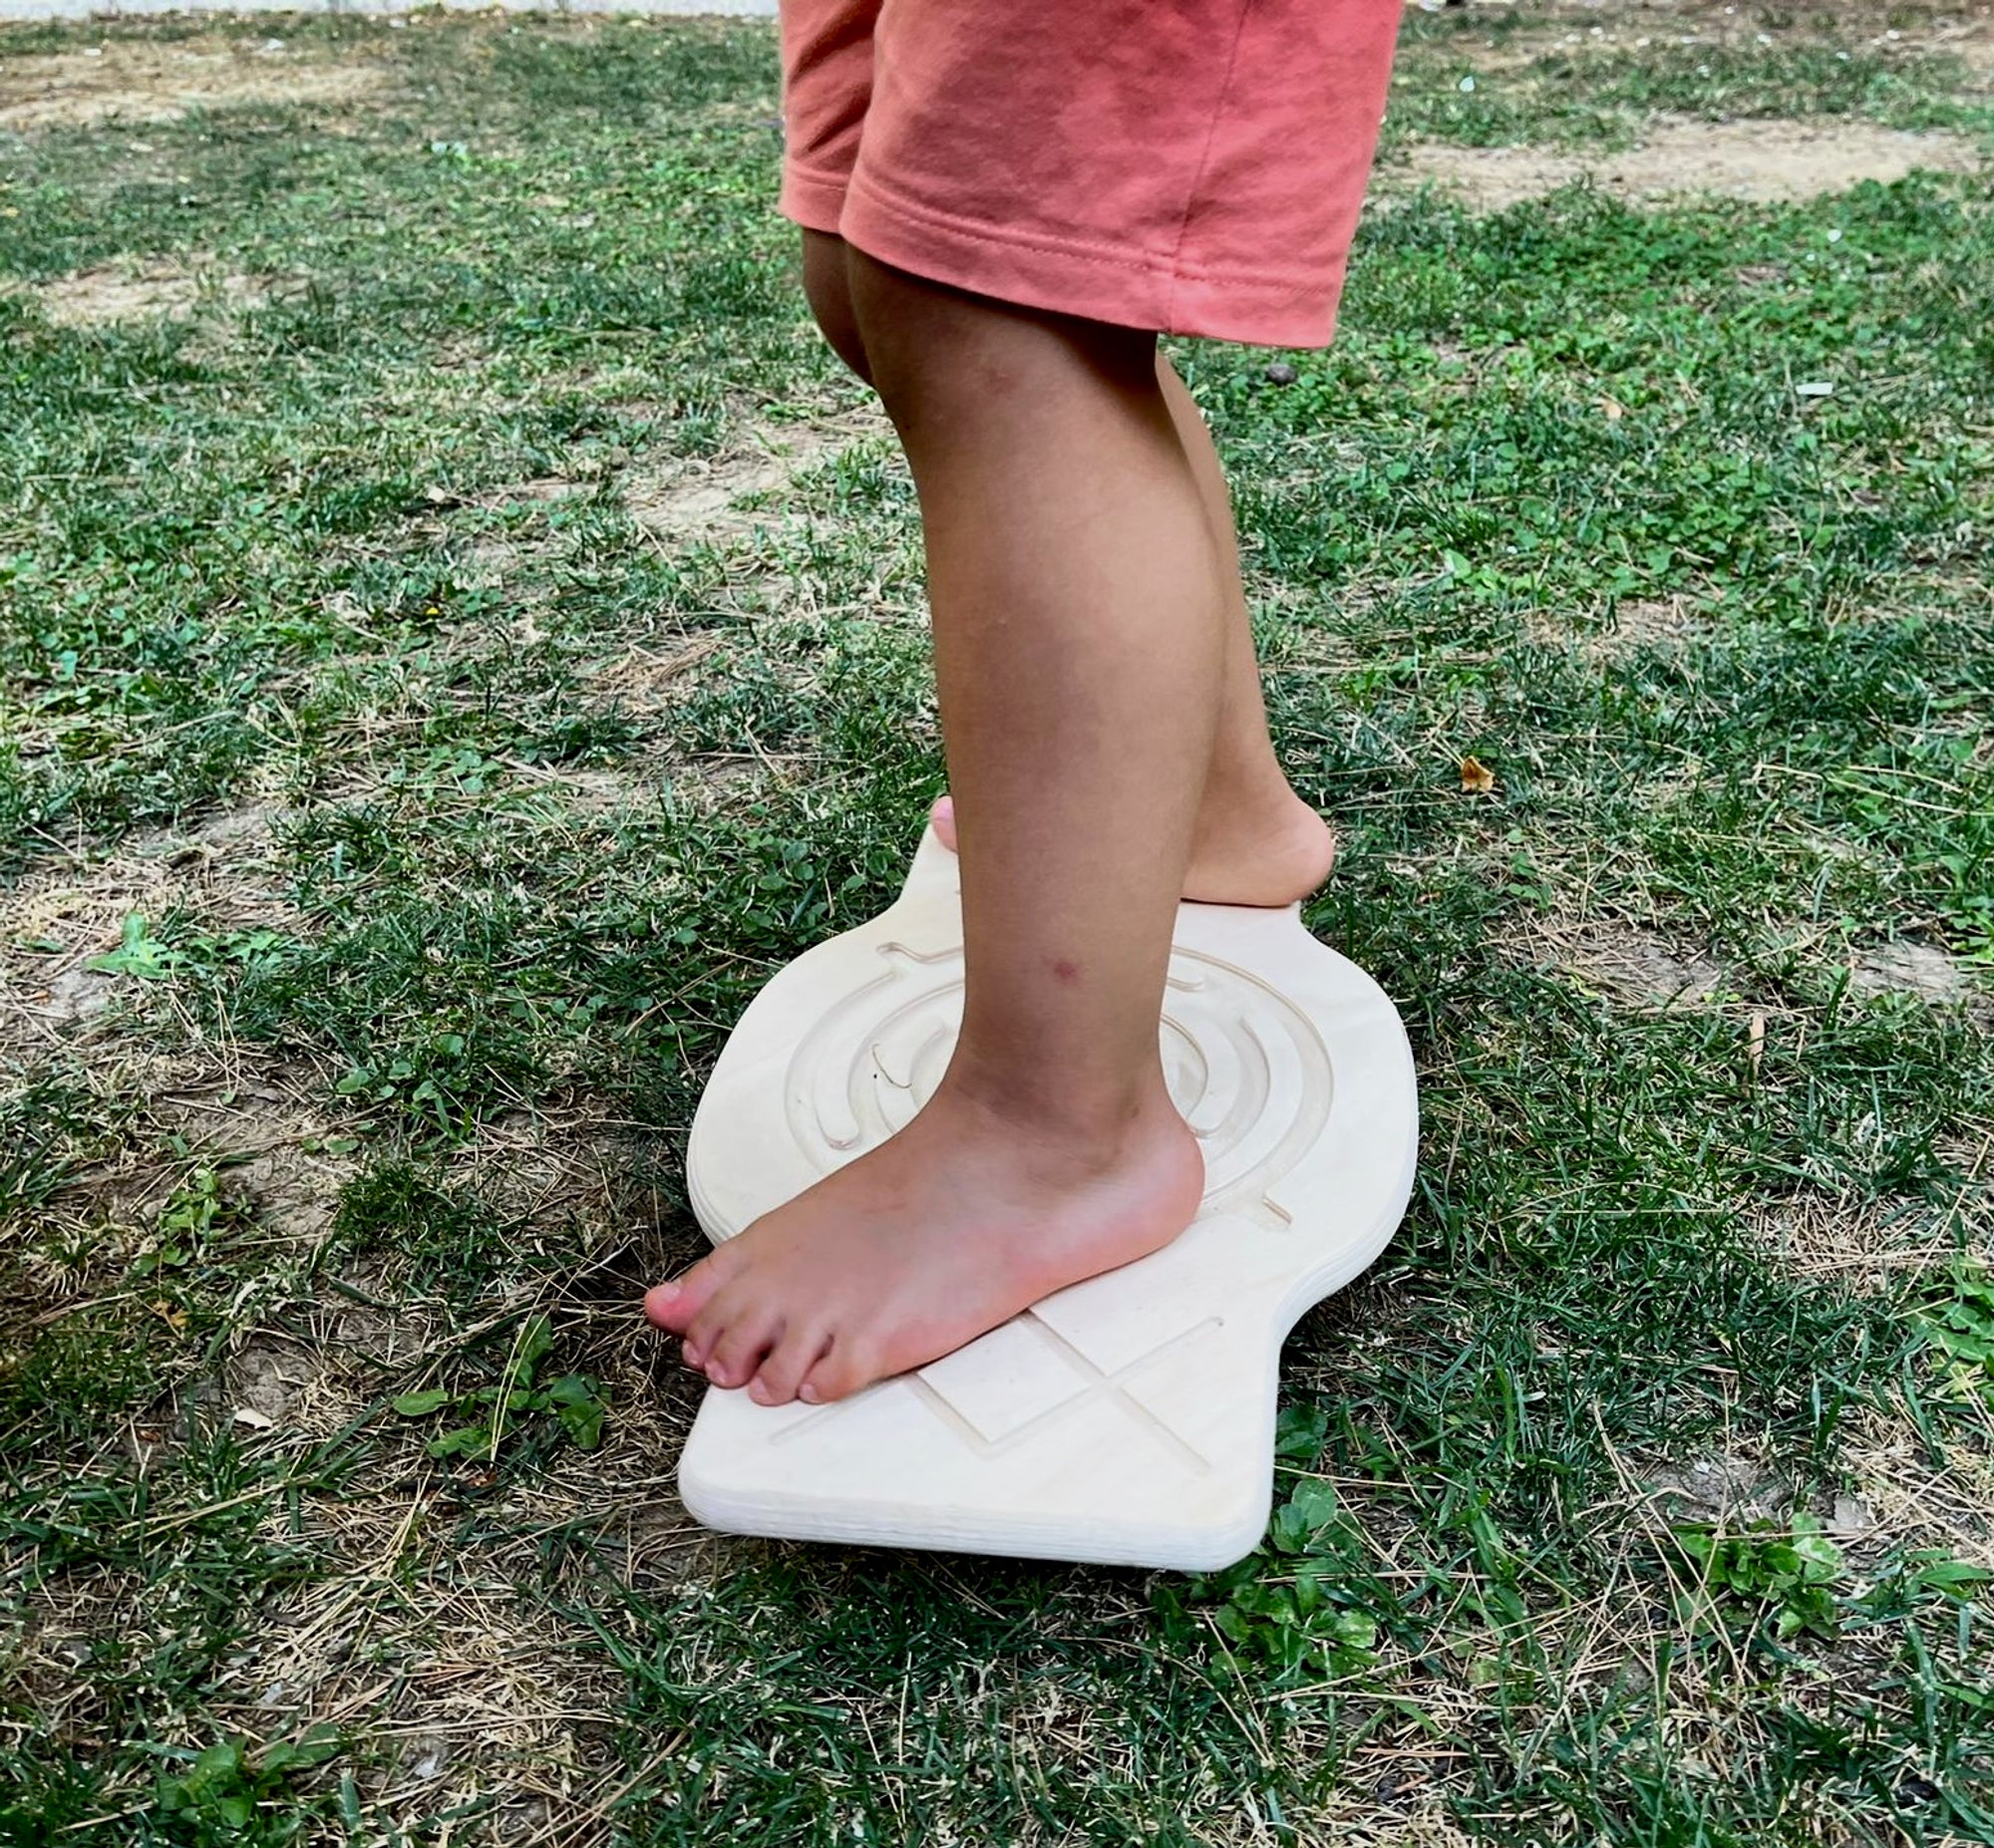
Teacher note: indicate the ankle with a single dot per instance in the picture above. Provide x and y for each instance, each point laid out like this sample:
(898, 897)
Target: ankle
(1087, 1124)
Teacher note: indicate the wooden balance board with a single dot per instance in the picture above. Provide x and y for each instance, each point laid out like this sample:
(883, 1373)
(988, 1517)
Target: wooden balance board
(1128, 1420)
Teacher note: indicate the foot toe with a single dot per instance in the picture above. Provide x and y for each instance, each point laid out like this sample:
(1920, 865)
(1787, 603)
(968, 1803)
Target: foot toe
(709, 1325)
(846, 1367)
(674, 1305)
(777, 1380)
(751, 1332)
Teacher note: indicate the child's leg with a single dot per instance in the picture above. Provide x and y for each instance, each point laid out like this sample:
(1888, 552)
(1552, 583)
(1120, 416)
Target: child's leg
(827, 289)
(1078, 606)
(1257, 842)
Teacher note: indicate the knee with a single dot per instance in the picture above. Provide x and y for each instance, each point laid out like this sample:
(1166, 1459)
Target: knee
(938, 353)
(829, 293)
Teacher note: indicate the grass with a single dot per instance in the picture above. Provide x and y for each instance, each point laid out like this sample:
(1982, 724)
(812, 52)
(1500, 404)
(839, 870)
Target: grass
(458, 631)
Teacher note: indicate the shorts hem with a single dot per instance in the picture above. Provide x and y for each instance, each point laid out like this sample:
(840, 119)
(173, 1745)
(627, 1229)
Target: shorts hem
(1123, 287)
(814, 200)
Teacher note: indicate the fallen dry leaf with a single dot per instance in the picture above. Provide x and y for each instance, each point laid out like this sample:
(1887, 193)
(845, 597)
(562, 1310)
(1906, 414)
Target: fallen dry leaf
(1477, 778)
(1613, 409)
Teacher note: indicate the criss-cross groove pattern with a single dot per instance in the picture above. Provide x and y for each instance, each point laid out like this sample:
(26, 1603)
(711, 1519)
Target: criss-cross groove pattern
(1097, 1383)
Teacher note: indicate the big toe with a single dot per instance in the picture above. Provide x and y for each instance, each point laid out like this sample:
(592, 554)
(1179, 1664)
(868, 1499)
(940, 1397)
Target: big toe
(671, 1306)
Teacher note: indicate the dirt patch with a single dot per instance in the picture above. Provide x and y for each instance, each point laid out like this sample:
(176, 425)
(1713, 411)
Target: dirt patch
(1721, 1488)
(264, 1379)
(1921, 969)
(1646, 622)
(54, 923)
(306, 1374)
(106, 293)
(1633, 964)
(1765, 162)
(160, 286)
(246, 1115)
(1889, 28)
(294, 1182)
(702, 499)
(1639, 622)
(1734, 1490)
(143, 80)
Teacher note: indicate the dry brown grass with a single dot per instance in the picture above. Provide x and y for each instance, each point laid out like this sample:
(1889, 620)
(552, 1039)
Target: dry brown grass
(139, 80)
(130, 291)
(1891, 28)
(1861, 1241)
(1636, 623)
(1765, 162)
(1913, 1498)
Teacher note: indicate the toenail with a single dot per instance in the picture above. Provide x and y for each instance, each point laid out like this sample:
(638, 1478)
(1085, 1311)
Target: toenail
(807, 1394)
(760, 1392)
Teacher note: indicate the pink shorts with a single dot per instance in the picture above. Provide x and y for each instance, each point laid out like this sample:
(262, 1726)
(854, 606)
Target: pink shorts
(1192, 167)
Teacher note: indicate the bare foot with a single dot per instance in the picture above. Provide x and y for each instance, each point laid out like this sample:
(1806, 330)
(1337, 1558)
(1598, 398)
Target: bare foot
(1281, 857)
(956, 1224)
